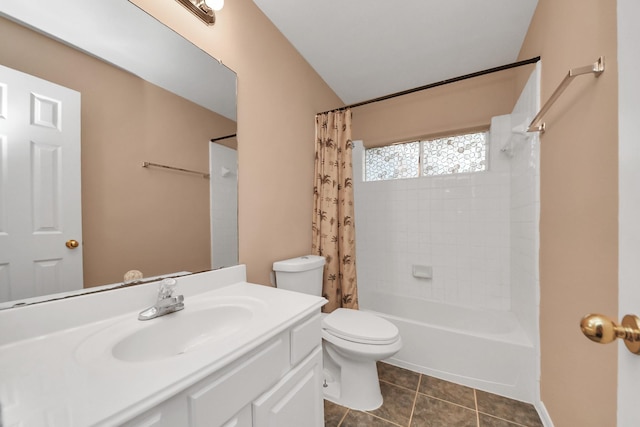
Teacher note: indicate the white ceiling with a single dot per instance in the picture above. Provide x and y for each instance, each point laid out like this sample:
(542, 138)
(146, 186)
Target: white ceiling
(364, 49)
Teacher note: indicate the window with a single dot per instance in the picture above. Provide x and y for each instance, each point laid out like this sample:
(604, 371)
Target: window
(392, 162)
(442, 156)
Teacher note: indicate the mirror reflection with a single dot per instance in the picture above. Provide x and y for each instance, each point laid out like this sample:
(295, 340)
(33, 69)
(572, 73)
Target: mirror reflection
(122, 216)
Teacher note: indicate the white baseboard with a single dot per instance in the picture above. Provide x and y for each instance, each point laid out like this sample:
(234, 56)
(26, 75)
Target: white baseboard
(544, 415)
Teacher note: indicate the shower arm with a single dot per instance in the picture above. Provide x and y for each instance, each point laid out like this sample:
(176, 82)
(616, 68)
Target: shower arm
(596, 68)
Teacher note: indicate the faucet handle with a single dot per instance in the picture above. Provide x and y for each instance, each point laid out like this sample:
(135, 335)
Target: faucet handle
(167, 286)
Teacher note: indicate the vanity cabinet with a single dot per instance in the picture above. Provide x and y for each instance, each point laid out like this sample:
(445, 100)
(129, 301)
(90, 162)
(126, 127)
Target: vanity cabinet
(296, 400)
(277, 384)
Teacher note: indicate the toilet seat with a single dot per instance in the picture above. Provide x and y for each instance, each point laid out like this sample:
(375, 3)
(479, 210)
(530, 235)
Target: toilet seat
(360, 327)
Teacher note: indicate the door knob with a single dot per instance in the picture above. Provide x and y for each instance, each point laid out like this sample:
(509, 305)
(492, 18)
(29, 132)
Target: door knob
(72, 244)
(603, 330)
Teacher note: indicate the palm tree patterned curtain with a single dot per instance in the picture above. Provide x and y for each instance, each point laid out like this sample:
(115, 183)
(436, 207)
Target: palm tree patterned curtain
(334, 235)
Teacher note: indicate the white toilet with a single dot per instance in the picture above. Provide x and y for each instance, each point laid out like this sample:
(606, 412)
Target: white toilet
(353, 341)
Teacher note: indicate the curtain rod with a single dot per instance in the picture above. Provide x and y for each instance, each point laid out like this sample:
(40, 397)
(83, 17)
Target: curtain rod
(223, 137)
(440, 83)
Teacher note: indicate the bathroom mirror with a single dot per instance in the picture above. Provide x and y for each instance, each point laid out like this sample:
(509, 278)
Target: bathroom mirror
(146, 95)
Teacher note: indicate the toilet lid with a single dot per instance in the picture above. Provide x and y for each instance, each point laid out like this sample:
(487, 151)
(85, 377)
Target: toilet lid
(360, 326)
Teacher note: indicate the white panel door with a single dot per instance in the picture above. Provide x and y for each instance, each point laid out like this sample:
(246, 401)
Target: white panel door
(629, 203)
(39, 187)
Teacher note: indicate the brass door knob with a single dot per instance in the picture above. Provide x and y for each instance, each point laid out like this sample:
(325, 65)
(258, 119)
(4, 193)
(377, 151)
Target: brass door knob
(72, 244)
(603, 330)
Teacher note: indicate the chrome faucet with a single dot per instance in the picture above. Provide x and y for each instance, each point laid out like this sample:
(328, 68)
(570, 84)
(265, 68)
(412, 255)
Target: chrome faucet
(166, 302)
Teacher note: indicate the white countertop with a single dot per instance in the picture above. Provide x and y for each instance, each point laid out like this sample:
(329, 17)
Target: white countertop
(68, 377)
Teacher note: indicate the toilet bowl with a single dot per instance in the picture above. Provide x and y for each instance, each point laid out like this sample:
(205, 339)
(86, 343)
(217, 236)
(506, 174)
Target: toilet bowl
(352, 341)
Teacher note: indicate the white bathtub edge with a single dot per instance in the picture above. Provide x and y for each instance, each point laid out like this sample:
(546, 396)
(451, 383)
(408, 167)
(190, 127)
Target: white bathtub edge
(493, 365)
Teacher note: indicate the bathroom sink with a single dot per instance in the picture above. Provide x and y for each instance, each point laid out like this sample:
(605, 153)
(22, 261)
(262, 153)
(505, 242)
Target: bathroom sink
(208, 326)
(181, 332)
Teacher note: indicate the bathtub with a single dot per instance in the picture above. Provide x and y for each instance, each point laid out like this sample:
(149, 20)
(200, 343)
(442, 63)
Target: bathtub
(484, 349)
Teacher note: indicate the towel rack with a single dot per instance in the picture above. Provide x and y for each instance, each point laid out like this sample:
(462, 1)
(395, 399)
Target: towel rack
(596, 68)
(158, 165)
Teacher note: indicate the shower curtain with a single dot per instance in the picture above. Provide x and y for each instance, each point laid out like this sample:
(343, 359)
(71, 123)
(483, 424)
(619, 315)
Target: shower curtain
(333, 225)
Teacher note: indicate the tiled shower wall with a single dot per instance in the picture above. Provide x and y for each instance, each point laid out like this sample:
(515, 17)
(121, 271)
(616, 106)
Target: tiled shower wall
(525, 209)
(478, 232)
(458, 225)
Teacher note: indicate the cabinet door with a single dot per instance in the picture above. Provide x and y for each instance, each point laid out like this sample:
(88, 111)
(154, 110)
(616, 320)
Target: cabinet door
(170, 413)
(215, 400)
(296, 400)
(241, 419)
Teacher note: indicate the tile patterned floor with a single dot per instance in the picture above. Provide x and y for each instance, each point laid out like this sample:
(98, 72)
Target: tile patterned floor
(415, 400)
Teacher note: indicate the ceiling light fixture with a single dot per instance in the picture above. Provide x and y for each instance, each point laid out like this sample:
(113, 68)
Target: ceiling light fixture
(202, 10)
(216, 5)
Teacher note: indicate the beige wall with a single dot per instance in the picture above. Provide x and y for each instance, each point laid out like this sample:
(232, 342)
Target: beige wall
(579, 200)
(133, 218)
(441, 110)
(278, 97)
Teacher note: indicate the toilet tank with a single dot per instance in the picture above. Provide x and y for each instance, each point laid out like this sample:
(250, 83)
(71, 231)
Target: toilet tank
(301, 274)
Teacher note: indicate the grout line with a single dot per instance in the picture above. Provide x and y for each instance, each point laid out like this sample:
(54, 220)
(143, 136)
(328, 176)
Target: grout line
(368, 413)
(447, 401)
(343, 417)
(401, 386)
(515, 423)
(383, 419)
(475, 401)
(415, 399)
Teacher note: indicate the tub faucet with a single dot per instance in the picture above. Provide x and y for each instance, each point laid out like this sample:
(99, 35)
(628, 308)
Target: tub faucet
(166, 303)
